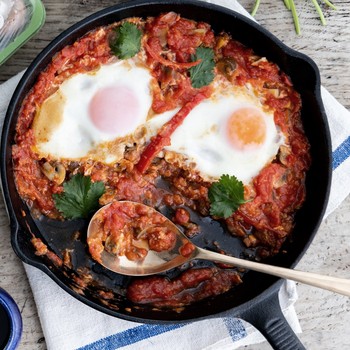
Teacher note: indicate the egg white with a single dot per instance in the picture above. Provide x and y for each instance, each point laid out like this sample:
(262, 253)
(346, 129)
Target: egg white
(63, 127)
(202, 139)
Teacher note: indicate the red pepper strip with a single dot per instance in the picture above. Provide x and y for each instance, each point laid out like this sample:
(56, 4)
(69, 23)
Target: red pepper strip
(162, 139)
(167, 63)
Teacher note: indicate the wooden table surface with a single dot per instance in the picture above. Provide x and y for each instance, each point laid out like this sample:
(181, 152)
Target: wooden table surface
(324, 316)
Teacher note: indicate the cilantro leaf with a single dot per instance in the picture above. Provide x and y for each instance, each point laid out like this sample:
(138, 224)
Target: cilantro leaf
(226, 196)
(79, 198)
(203, 73)
(127, 42)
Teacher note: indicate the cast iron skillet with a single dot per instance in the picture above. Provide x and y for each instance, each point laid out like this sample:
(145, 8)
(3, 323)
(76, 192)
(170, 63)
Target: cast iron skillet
(256, 300)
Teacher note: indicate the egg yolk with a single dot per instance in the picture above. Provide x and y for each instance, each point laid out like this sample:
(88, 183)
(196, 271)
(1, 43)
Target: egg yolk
(115, 110)
(246, 128)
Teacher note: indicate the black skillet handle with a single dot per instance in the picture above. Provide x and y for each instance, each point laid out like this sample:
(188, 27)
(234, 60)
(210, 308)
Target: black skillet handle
(268, 318)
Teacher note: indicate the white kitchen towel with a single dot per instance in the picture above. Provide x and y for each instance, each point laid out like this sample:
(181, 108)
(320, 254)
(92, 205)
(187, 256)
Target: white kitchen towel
(69, 324)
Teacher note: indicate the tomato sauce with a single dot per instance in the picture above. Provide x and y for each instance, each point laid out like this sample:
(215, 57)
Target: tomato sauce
(191, 286)
(168, 44)
(131, 230)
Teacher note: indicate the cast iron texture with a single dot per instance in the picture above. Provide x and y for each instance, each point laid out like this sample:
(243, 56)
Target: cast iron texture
(256, 300)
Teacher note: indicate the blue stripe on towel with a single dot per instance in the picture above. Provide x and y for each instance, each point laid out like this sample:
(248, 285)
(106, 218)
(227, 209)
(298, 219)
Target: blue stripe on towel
(341, 154)
(131, 336)
(235, 328)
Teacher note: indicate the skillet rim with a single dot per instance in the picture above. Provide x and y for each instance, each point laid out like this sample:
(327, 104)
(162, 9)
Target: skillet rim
(72, 32)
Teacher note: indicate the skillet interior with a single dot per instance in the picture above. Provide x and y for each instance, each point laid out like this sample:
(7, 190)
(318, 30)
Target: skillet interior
(306, 80)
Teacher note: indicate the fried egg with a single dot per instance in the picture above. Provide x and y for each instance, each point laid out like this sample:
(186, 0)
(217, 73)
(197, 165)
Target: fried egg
(226, 134)
(89, 110)
(95, 115)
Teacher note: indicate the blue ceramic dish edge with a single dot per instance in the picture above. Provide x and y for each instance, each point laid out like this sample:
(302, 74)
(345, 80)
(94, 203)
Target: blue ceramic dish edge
(15, 318)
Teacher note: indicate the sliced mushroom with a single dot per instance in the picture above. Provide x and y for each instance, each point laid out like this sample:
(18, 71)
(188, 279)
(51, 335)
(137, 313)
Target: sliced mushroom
(227, 66)
(55, 172)
(275, 90)
(250, 241)
(117, 244)
(200, 31)
(222, 41)
(283, 154)
(259, 60)
(141, 243)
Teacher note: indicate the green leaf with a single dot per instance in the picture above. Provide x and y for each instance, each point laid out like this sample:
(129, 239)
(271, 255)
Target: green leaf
(127, 42)
(203, 73)
(79, 198)
(226, 196)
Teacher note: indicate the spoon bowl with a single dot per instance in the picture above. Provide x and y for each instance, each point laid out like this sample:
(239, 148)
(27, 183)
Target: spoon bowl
(182, 250)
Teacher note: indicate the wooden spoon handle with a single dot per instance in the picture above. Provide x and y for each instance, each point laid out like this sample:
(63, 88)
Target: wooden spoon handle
(333, 284)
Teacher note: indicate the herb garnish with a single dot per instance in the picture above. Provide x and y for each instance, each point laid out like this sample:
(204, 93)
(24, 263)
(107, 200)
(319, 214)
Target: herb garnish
(226, 196)
(80, 197)
(127, 42)
(203, 73)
